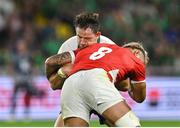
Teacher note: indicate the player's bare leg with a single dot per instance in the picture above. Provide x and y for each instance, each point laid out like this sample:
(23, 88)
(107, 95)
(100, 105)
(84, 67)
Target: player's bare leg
(75, 122)
(120, 114)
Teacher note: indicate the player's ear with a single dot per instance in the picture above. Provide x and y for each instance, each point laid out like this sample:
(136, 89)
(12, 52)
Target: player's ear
(98, 33)
(140, 55)
(137, 53)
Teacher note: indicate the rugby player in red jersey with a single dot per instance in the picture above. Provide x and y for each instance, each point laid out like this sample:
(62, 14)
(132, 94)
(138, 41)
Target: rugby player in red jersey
(90, 84)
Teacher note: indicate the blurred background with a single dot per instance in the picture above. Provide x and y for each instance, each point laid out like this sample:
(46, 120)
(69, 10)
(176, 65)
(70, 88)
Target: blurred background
(41, 26)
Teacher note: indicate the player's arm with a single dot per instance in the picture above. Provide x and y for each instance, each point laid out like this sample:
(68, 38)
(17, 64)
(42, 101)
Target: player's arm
(53, 70)
(137, 91)
(56, 81)
(123, 85)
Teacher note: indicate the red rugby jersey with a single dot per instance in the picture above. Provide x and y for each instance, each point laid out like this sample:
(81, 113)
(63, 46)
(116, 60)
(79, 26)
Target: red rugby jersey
(119, 62)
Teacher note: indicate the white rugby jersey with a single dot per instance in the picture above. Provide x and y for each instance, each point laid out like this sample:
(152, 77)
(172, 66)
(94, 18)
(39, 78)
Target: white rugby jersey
(72, 43)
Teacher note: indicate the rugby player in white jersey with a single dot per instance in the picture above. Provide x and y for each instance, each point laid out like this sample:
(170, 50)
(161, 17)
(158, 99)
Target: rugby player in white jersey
(87, 30)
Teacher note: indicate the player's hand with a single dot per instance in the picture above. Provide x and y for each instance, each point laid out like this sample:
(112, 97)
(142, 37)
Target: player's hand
(123, 85)
(67, 68)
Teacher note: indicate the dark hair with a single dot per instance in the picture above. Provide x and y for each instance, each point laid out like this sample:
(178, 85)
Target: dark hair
(85, 20)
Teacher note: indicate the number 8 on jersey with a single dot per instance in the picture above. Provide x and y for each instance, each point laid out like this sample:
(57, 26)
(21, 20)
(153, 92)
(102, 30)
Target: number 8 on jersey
(100, 53)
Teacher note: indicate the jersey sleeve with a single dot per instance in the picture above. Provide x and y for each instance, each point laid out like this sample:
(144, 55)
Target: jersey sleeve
(139, 74)
(73, 55)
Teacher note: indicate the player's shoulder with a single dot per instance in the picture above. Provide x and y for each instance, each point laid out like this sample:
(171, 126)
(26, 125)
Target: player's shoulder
(69, 44)
(71, 40)
(104, 39)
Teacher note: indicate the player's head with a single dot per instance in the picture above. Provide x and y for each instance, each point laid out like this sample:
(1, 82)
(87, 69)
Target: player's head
(138, 50)
(87, 28)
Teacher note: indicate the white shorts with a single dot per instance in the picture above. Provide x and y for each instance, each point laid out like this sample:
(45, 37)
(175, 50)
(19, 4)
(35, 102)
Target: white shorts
(87, 90)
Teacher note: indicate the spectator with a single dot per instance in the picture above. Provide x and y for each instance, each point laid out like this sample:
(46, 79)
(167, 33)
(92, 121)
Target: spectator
(22, 70)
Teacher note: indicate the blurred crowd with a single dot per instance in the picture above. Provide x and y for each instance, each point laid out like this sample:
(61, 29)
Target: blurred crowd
(43, 25)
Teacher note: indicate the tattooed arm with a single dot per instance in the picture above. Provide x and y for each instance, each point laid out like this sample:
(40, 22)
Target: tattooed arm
(52, 65)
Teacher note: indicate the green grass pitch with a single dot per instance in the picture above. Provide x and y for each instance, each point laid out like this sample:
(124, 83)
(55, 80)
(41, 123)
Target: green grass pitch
(49, 123)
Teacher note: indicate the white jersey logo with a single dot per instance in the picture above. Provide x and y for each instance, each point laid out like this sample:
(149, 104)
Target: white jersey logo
(100, 53)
